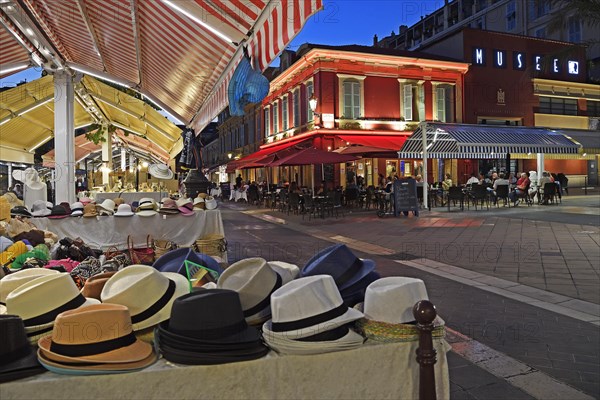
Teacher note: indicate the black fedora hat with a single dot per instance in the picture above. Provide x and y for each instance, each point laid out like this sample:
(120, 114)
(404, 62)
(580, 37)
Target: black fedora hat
(356, 293)
(208, 327)
(18, 358)
(59, 211)
(20, 211)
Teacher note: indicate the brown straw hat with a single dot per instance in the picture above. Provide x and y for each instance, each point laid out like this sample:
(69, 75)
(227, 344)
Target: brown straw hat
(93, 286)
(97, 334)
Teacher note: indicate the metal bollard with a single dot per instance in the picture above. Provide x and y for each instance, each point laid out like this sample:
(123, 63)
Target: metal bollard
(424, 313)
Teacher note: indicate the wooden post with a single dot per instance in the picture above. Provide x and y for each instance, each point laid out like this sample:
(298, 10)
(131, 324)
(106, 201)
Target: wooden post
(424, 312)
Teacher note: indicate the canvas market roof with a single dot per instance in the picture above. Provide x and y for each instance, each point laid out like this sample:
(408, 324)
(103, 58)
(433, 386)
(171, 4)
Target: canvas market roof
(179, 54)
(27, 117)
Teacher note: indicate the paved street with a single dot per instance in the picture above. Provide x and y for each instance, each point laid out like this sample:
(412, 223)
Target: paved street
(522, 283)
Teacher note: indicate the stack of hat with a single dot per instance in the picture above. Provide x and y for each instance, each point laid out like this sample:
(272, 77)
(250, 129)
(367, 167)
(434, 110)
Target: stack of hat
(74, 348)
(77, 209)
(40, 300)
(254, 279)
(147, 207)
(89, 210)
(199, 203)
(310, 317)
(59, 211)
(185, 206)
(148, 293)
(17, 357)
(168, 206)
(352, 275)
(208, 327)
(388, 310)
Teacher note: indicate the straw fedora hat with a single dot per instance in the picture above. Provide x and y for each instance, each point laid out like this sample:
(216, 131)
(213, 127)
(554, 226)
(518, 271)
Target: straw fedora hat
(160, 171)
(147, 207)
(254, 280)
(148, 293)
(339, 262)
(168, 206)
(210, 203)
(40, 300)
(339, 339)
(77, 209)
(17, 357)
(14, 280)
(287, 271)
(306, 307)
(94, 285)
(98, 334)
(388, 310)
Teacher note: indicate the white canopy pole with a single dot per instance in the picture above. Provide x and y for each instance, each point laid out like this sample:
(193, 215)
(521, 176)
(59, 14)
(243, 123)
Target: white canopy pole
(423, 126)
(64, 137)
(106, 157)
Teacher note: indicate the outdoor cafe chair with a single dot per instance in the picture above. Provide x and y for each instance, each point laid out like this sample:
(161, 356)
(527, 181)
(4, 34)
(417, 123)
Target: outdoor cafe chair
(502, 194)
(455, 194)
(550, 194)
(479, 194)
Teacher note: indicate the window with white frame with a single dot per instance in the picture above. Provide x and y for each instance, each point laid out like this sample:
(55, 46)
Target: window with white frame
(296, 101)
(574, 30)
(276, 117)
(351, 99)
(511, 16)
(407, 101)
(309, 92)
(440, 97)
(284, 113)
(267, 122)
(412, 101)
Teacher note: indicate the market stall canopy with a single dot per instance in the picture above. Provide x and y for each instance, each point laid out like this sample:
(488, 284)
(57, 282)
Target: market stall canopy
(485, 141)
(27, 116)
(180, 54)
(141, 147)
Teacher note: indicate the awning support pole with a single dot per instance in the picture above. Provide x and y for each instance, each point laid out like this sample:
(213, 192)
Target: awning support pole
(423, 126)
(64, 137)
(540, 166)
(106, 158)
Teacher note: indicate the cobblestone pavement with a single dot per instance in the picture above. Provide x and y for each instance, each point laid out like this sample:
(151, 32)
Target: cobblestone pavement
(558, 257)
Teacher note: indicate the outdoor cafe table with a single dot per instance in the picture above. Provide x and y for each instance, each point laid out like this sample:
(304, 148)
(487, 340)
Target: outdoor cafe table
(109, 231)
(373, 371)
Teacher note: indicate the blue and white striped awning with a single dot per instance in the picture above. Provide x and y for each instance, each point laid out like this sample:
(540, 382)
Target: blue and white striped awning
(485, 141)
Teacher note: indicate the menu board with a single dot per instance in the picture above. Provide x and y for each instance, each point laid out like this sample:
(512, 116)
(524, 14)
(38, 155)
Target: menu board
(405, 196)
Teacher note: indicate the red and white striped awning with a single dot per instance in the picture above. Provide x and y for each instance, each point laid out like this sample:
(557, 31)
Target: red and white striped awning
(179, 53)
(14, 57)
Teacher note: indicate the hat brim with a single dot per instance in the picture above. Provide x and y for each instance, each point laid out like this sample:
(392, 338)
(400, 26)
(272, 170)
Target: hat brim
(248, 335)
(24, 366)
(349, 316)
(350, 341)
(182, 287)
(59, 216)
(202, 358)
(210, 205)
(146, 213)
(287, 271)
(185, 211)
(36, 332)
(41, 213)
(76, 213)
(95, 369)
(2, 309)
(135, 352)
(125, 214)
(89, 215)
(152, 170)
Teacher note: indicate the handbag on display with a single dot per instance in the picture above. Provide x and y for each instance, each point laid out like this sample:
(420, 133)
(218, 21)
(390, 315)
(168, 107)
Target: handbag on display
(116, 259)
(163, 246)
(141, 255)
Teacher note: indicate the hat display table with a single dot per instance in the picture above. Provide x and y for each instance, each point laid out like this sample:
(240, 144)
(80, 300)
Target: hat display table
(373, 371)
(129, 197)
(109, 231)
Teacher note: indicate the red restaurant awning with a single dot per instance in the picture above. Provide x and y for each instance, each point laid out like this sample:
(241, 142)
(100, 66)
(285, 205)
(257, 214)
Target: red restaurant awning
(246, 162)
(391, 142)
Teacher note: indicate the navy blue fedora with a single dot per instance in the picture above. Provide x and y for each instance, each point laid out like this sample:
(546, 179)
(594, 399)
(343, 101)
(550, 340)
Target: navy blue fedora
(174, 261)
(339, 262)
(355, 294)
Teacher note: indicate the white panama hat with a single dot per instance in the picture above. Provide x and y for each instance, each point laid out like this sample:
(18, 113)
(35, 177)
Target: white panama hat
(148, 293)
(106, 208)
(124, 210)
(306, 307)
(39, 301)
(392, 299)
(12, 281)
(160, 171)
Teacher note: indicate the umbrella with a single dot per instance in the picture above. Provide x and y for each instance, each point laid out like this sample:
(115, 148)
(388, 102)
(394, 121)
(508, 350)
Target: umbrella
(312, 156)
(358, 149)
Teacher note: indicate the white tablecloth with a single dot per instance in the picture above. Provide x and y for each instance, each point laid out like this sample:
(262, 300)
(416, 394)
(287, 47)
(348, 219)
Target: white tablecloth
(129, 197)
(388, 371)
(105, 232)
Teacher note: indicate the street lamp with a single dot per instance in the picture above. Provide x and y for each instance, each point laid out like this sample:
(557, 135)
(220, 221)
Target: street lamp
(312, 102)
(229, 155)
